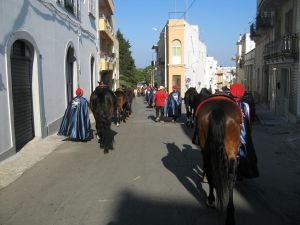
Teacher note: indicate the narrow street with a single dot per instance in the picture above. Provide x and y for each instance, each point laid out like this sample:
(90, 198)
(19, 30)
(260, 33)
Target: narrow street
(151, 177)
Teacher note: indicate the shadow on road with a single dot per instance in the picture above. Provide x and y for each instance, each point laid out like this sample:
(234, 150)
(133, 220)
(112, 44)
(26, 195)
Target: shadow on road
(186, 165)
(136, 209)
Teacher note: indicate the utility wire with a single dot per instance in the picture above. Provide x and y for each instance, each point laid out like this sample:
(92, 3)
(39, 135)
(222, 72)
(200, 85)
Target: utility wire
(187, 9)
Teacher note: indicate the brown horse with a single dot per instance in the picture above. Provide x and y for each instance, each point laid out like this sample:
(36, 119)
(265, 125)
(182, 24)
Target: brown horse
(190, 103)
(102, 104)
(218, 129)
(130, 96)
(121, 104)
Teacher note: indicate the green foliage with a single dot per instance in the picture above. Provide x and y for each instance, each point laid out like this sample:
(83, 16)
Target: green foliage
(126, 62)
(129, 74)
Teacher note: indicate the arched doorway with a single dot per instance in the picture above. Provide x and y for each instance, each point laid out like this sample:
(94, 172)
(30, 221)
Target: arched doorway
(21, 75)
(70, 73)
(92, 73)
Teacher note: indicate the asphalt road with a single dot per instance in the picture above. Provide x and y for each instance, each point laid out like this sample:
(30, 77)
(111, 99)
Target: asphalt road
(152, 177)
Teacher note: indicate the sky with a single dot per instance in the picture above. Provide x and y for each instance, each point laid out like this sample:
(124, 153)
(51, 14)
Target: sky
(220, 24)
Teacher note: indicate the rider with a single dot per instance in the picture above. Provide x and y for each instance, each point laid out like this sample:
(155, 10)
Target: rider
(247, 157)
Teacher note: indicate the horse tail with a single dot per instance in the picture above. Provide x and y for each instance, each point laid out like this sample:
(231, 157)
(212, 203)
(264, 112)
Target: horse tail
(217, 153)
(104, 114)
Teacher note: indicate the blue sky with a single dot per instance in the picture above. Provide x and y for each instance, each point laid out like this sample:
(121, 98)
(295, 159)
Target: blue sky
(220, 24)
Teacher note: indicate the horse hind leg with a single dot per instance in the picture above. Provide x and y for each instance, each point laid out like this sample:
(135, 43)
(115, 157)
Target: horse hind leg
(210, 202)
(230, 219)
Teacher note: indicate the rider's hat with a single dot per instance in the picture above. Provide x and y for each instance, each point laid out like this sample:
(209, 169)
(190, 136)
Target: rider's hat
(237, 90)
(79, 92)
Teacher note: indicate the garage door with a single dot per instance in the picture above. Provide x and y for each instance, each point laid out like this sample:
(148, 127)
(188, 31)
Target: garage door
(21, 73)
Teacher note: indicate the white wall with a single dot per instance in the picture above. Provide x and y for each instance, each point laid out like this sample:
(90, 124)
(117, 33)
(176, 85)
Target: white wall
(211, 68)
(195, 58)
(50, 32)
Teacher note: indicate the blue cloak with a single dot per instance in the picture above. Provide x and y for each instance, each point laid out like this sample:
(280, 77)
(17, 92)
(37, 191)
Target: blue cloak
(172, 106)
(247, 156)
(76, 122)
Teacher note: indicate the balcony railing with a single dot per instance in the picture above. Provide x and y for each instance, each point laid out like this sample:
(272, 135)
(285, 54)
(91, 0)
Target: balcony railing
(106, 27)
(264, 21)
(107, 62)
(283, 49)
(253, 32)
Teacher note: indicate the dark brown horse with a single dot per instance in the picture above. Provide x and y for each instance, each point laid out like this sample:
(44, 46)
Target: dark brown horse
(121, 104)
(102, 104)
(190, 103)
(130, 96)
(218, 129)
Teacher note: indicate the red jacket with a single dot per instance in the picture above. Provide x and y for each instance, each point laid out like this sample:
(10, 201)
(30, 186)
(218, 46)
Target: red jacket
(160, 97)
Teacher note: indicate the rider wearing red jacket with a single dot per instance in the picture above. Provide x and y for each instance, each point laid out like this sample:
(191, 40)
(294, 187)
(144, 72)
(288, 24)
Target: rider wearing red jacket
(159, 101)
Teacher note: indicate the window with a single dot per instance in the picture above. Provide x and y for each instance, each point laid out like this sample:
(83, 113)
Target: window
(289, 22)
(286, 82)
(92, 8)
(177, 81)
(69, 6)
(72, 6)
(176, 52)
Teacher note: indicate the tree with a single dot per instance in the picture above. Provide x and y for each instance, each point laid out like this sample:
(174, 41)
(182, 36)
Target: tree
(126, 62)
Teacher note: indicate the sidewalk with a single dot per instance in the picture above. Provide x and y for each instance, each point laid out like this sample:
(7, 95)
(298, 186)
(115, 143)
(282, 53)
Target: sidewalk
(36, 150)
(277, 126)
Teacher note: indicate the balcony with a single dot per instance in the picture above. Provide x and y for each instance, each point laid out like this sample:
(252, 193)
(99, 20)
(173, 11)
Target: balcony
(265, 20)
(106, 28)
(106, 62)
(253, 32)
(106, 6)
(274, 4)
(283, 50)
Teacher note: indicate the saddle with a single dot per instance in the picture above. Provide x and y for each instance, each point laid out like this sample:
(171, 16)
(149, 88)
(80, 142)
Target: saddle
(219, 97)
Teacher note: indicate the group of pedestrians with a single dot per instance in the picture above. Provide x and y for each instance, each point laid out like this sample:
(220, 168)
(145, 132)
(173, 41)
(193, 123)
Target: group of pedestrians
(167, 105)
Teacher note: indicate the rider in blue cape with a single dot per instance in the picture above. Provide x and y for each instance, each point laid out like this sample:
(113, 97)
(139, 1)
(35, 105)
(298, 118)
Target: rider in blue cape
(173, 104)
(76, 122)
(247, 157)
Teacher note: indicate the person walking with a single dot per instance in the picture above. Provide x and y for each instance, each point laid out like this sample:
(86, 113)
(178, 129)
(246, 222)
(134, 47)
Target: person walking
(159, 101)
(174, 104)
(76, 122)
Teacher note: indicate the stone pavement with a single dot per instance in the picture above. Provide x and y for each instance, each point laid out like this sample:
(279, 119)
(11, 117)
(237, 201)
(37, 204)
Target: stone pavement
(38, 149)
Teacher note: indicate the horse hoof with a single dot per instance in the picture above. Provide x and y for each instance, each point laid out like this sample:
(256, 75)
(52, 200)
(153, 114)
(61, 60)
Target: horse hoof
(118, 124)
(105, 151)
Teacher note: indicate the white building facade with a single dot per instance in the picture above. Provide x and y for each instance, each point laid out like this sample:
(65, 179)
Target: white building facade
(195, 58)
(244, 46)
(47, 49)
(211, 68)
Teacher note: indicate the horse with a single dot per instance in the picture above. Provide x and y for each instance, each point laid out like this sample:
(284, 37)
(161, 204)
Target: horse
(121, 104)
(130, 96)
(218, 129)
(190, 102)
(102, 105)
(204, 93)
